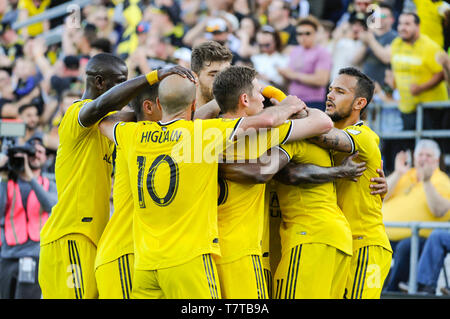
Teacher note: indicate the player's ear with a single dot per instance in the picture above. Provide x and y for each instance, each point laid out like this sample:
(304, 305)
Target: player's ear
(244, 99)
(99, 83)
(158, 105)
(147, 107)
(360, 103)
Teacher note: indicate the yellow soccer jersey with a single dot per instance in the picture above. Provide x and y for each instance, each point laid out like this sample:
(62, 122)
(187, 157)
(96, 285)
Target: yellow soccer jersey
(240, 220)
(363, 210)
(241, 206)
(117, 238)
(310, 213)
(271, 232)
(416, 64)
(83, 180)
(173, 170)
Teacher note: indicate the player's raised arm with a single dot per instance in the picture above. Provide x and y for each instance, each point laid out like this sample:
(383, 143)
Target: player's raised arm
(118, 96)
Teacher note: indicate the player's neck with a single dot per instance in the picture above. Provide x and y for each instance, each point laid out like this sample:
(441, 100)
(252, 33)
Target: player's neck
(182, 115)
(234, 115)
(349, 121)
(90, 94)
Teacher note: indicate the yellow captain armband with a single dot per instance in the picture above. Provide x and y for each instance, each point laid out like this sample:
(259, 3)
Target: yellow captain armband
(152, 77)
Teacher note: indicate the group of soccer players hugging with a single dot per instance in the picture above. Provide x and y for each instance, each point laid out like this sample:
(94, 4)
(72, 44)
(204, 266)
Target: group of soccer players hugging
(216, 193)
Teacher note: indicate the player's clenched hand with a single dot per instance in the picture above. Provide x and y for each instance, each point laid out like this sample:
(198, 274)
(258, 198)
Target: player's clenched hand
(179, 70)
(293, 102)
(351, 169)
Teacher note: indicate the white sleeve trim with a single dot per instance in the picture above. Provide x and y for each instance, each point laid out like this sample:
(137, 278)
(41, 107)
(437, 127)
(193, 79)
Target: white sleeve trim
(79, 122)
(284, 151)
(351, 140)
(289, 133)
(114, 133)
(235, 129)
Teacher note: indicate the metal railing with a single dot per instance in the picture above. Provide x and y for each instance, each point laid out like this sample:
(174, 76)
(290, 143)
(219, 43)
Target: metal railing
(48, 14)
(54, 35)
(414, 256)
(418, 133)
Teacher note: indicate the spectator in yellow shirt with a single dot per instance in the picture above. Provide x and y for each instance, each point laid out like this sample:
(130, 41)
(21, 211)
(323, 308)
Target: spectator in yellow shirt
(432, 15)
(418, 76)
(29, 8)
(415, 194)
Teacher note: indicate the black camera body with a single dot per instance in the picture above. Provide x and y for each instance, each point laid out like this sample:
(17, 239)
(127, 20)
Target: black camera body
(16, 164)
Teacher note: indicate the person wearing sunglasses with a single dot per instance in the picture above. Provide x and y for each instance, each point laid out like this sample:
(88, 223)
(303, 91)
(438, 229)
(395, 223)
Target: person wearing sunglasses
(309, 67)
(270, 57)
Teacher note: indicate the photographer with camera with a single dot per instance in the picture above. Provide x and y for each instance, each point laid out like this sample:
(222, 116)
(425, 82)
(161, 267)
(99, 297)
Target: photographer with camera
(26, 199)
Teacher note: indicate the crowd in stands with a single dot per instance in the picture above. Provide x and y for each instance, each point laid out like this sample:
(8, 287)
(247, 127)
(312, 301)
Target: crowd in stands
(297, 46)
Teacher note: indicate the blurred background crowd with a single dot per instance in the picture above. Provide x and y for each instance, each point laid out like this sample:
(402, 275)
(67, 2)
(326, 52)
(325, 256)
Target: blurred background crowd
(297, 46)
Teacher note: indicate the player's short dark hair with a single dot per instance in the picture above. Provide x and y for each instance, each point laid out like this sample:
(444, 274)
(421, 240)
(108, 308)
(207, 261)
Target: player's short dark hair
(364, 86)
(150, 94)
(103, 63)
(230, 84)
(207, 52)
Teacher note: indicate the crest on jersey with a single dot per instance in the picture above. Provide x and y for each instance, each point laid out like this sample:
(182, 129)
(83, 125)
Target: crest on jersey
(353, 132)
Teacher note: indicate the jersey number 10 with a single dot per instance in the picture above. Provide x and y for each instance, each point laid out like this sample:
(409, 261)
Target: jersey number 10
(173, 183)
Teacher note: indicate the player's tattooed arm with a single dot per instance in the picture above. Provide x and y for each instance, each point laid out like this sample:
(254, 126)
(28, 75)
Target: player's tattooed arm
(335, 139)
(296, 173)
(255, 173)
